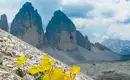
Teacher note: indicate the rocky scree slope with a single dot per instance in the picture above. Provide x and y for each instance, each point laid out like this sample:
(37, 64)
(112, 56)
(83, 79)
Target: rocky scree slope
(11, 47)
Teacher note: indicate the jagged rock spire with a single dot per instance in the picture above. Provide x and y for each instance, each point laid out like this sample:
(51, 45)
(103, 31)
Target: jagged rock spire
(27, 25)
(4, 23)
(60, 31)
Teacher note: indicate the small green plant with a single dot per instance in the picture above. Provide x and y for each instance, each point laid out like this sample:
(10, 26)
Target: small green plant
(19, 62)
(20, 72)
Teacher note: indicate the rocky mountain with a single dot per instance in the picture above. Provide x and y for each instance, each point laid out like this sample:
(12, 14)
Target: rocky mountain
(12, 47)
(4, 23)
(27, 25)
(67, 44)
(119, 46)
(61, 32)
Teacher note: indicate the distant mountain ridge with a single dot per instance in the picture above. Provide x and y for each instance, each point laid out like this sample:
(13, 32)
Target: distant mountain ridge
(117, 45)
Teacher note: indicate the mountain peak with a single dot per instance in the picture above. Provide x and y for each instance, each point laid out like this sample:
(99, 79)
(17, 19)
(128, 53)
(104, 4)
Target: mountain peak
(28, 4)
(3, 17)
(4, 22)
(26, 23)
(60, 18)
(59, 13)
(27, 7)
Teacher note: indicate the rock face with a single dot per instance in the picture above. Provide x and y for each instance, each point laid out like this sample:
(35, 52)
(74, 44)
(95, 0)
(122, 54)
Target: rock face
(4, 23)
(12, 47)
(27, 25)
(100, 46)
(61, 32)
(83, 41)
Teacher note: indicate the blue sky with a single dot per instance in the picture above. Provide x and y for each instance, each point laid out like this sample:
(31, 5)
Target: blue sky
(98, 19)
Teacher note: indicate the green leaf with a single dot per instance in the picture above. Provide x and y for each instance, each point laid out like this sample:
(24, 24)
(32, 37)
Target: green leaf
(20, 72)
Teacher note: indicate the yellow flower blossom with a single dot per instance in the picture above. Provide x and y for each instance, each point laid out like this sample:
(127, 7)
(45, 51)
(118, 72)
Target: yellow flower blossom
(52, 62)
(21, 60)
(54, 74)
(47, 60)
(75, 69)
(46, 63)
(57, 74)
(42, 68)
(33, 70)
(45, 77)
(68, 76)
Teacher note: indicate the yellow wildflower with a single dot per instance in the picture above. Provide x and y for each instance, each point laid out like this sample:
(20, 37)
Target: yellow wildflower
(45, 77)
(42, 68)
(68, 76)
(33, 70)
(46, 63)
(21, 60)
(54, 74)
(52, 62)
(57, 74)
(75, 69)
(47, 60)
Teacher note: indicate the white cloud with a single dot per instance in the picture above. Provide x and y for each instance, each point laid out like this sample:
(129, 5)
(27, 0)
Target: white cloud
(106, 14)
(119, 30)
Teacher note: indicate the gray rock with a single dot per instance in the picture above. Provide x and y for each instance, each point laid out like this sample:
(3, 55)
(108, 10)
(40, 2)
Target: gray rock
(83, 41)
(1, 59)
(27, 25)
(4, 23)
(101, 47)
